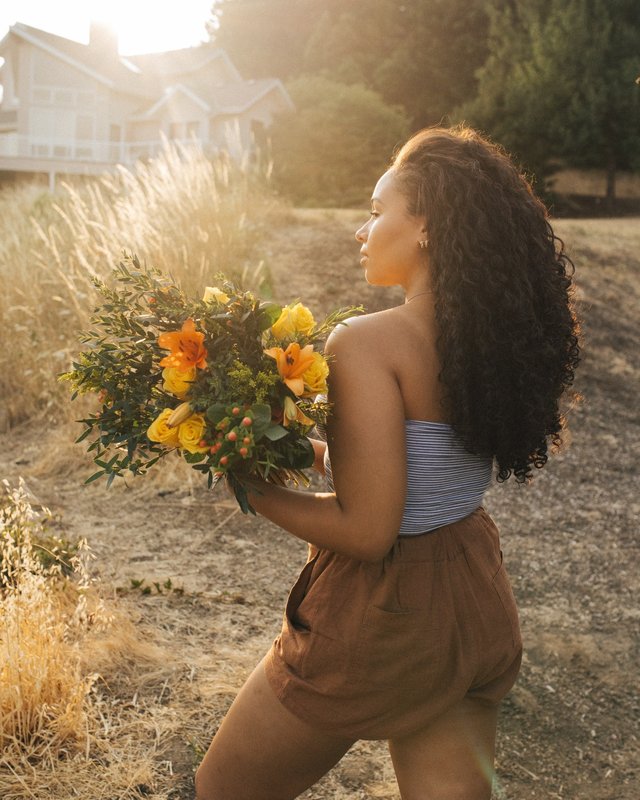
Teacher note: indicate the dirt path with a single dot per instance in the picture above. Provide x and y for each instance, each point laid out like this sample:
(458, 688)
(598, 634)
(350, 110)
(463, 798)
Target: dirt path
(570, 728)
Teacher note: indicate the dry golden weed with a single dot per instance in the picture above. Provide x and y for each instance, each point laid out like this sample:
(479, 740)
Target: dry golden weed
(81, 687)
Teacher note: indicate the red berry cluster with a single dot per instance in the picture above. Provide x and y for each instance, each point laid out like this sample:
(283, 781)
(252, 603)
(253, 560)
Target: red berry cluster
(233, 442)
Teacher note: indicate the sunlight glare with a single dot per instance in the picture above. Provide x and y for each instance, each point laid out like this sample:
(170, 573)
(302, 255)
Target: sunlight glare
(147, 26)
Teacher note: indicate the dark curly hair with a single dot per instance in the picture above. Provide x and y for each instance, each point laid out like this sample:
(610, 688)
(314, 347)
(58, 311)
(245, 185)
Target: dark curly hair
(508, 335)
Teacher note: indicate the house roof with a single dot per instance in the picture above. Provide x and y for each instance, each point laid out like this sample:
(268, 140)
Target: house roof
(175, 63)
(170, 92)
(110, 71)
(229, 99)
(153, 77)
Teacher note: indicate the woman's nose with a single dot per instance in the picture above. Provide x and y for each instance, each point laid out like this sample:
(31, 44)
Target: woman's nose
(360, 233)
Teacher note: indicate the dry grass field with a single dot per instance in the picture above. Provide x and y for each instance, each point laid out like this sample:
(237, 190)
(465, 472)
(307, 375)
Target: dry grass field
(183, 594)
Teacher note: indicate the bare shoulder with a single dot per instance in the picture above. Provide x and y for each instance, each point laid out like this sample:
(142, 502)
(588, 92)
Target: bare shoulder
(368, 333)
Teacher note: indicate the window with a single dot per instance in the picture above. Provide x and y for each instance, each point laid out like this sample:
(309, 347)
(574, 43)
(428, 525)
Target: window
(86, 99)
(84, 127)
(42, 96)
(63, 97)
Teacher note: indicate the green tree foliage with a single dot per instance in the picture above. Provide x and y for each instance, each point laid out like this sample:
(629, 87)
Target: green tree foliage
(333, 148)
(421, 54)
(264, 38)
(550, 79)
(559, 82)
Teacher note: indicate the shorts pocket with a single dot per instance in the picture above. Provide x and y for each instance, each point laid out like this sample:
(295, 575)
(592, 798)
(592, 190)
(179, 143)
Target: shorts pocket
(396, 648)
(297, 594)
(502, 586)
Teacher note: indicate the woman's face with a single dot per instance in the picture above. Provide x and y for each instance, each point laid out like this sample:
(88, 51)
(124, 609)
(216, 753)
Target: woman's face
(390, 238)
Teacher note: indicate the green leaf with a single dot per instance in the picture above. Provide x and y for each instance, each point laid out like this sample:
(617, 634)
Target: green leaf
(194, 458)
(241, 496)
(304, 456)
(275, 432)
(269, 313)
(94, 477)
(83, 436)
(216, 412)
(261, 420)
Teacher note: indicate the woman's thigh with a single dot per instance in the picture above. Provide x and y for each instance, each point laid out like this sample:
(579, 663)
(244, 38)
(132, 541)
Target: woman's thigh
(451, 759)
(262, 751)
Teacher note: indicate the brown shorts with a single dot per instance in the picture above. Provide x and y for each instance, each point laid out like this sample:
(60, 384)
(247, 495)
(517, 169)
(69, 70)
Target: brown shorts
(378, 650)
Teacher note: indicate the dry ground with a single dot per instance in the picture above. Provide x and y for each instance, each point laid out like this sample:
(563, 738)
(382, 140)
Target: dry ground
(570, 728)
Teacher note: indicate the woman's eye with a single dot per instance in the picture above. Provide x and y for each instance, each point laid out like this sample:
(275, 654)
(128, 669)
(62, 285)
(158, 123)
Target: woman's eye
(374, 213)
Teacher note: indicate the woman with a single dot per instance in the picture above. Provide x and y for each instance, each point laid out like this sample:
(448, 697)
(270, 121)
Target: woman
(402, 625)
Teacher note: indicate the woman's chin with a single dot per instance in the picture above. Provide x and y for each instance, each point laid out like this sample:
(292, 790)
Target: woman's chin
(376, 280)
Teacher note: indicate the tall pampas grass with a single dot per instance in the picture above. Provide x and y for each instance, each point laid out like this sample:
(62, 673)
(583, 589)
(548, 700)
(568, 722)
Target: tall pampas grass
(183, 212)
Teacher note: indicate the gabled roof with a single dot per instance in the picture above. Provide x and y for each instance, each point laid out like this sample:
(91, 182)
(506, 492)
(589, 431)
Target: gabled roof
(234, 98)
(145, 74)
(111, 72)
(170, 92)
(180, 62)
(155, 77)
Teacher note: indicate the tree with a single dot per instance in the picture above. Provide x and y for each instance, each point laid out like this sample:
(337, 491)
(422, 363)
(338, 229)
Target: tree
(264, 38)
(334, 147)
(559, 82)
(422, 54)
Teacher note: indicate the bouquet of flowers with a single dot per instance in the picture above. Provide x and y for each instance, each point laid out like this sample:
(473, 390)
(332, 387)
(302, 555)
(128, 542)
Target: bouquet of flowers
(232, 383)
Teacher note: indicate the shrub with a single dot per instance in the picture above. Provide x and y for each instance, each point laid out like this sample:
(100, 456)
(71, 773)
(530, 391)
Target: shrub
(333, 148)
(43, 693)
(70, 662)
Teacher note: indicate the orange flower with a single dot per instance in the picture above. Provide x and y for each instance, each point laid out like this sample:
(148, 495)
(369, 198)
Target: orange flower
(292, 364)
(186, 348)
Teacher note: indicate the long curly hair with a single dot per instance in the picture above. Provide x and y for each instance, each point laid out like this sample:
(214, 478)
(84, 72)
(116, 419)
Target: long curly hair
(508, 334)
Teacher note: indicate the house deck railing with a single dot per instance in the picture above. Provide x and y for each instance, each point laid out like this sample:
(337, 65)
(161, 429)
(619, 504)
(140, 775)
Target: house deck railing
(65, 150)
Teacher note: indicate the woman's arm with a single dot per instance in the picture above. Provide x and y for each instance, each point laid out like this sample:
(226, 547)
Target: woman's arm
(366, 437)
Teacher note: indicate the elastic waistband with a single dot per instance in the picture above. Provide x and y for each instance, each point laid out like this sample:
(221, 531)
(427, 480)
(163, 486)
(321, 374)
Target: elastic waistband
(447, 542)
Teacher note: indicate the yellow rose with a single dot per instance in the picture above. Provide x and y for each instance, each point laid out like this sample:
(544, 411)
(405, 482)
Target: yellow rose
(178, 382)
(293, 319)
(190, 434)
(315, 376)
(214, 295)
(159, 430)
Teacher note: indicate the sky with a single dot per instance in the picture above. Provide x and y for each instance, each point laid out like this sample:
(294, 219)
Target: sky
(143, 26)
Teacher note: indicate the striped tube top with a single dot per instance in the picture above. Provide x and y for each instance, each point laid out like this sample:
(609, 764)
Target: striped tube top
(445, 482)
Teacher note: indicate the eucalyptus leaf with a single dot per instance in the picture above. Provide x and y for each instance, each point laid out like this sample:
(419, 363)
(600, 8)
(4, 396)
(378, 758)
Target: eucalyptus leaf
(216, 412)
(275, 432)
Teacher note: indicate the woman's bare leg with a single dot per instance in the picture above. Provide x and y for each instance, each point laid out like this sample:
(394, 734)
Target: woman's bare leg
(452, 759)
(262, 751)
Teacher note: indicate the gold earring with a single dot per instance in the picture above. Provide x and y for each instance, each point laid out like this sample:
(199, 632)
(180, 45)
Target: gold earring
(423, 244)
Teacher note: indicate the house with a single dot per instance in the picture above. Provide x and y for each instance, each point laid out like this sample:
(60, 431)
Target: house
(77, 108)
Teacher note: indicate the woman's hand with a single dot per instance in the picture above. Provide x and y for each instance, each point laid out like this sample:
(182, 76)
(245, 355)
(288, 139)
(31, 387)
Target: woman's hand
(319, 449)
